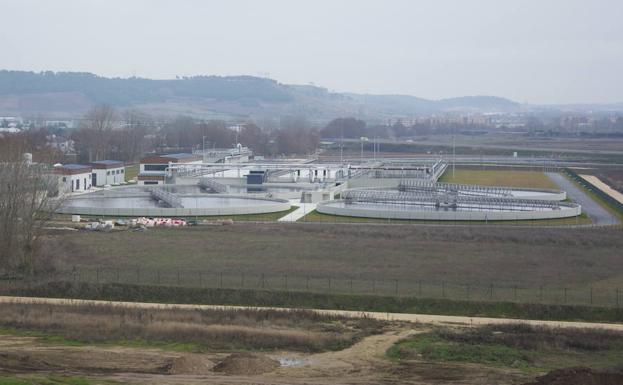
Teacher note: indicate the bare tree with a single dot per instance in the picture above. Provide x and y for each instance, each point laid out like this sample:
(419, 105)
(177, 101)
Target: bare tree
(94, 137)
(25, 207)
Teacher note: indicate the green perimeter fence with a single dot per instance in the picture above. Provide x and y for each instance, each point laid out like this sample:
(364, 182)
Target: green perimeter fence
(493, 292)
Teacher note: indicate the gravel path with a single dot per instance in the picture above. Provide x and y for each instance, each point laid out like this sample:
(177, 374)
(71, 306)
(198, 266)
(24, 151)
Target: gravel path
(598, 214)
(421, 318)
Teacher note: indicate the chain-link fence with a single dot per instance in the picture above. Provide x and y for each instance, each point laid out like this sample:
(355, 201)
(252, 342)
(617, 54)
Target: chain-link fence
(494, 292)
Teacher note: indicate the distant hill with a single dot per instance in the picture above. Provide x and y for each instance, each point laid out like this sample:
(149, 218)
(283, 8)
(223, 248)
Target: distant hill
(70, 94)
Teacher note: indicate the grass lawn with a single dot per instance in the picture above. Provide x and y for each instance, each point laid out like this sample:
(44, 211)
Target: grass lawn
(508, 178)
(131, 172)
(531, 349)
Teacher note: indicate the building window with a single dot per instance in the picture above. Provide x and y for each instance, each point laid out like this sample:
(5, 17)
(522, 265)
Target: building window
(77, 184)
(156, 167)
(122, 171)
(150, 182)
(107, 172)
(64, 179)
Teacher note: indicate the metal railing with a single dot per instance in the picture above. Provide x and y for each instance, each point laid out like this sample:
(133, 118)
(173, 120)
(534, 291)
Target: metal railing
(169, 198)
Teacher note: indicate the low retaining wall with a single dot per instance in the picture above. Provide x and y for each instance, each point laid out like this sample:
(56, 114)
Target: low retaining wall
(356, 210)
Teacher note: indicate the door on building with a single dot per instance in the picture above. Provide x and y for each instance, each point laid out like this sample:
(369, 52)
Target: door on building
(93, 179)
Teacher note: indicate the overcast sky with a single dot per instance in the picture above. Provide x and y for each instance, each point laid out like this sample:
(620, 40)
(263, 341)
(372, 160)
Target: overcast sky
(536, 51)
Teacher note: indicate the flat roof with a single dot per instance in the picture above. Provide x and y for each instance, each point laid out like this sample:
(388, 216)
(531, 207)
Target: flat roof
(180, 155)
(107, 162)
(74, 166)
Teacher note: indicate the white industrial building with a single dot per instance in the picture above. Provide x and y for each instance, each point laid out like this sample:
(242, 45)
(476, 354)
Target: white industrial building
(152, 170)
(73, 177)
(107, 172)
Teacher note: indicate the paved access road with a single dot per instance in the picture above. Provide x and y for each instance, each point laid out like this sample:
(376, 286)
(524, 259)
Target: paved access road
(421, 318)
(594, 210)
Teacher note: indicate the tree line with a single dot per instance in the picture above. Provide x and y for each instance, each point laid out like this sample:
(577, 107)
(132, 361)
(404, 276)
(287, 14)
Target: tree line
(127, 136)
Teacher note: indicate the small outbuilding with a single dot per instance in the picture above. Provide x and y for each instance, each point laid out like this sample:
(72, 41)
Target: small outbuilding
(74, 177)
(107, 172)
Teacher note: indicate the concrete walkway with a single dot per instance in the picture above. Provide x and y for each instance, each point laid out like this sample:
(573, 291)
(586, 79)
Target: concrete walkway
(423, 318)
(304, 209)
(598, 214)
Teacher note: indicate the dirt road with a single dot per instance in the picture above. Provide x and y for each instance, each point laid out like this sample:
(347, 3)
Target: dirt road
(598, 214)
(417, 318)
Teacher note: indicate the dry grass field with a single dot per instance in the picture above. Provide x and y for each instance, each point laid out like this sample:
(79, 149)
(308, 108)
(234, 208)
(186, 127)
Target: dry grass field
(524, 256)
(186, 329)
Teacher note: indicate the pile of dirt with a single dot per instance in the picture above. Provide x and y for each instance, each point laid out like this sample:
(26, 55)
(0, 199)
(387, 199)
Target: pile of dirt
(246, 364)
(190, 364)
(578, 376)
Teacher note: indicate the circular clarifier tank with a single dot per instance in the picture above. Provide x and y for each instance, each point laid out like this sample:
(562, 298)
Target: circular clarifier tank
(142, 204)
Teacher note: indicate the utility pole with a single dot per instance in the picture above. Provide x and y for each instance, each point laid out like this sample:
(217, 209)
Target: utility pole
(341, 145)
(361, 156)
(374, 148)
(453, 154)
(204, 148)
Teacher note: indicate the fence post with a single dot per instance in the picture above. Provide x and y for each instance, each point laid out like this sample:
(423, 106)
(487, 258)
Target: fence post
(591, 295)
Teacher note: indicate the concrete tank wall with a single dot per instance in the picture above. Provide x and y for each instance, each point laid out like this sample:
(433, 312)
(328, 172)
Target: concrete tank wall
(565, 211)
(276, 206)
